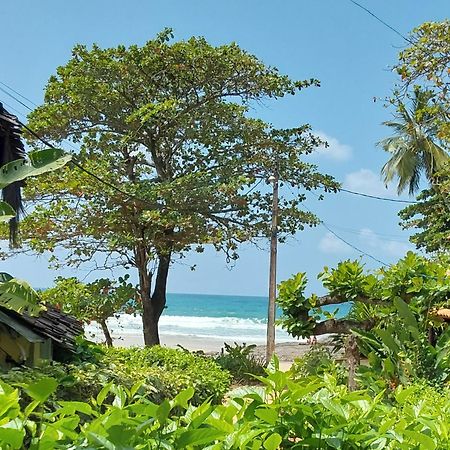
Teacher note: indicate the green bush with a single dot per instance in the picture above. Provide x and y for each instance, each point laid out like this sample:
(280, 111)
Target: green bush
(241, 362)
(170, 371)
(318, 360)
(164, 373)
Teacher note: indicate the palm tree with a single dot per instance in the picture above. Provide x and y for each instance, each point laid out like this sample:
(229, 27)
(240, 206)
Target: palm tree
(414, 146)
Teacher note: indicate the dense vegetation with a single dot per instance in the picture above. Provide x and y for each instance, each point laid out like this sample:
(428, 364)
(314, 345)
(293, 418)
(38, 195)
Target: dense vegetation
(307, 413)
(163, 373)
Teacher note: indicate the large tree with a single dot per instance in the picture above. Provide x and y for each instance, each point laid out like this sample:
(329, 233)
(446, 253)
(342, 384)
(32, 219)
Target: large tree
(172, 159)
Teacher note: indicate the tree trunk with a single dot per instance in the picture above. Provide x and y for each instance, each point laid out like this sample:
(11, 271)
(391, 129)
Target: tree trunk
(353, 360)
(154, 306)
(108, 338)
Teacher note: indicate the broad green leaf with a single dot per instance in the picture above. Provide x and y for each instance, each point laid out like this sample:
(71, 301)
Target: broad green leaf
(71, 407)
(103, 393)
(162, 413)
(426, 442)
(268, 415)
(19, 296)
(407, 315)
(11, 438)
(272, 442)
(5, 277)
(199, 436)
(6, 212)
(42, 389)
(48, 160)
(183, 397)
(41, 161)
(102, 440)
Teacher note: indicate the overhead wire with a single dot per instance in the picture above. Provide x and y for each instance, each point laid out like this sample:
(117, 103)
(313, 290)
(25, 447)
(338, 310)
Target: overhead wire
(376, 197)
(382, 21)
(348, 191)
(349, 244)
(129, 195)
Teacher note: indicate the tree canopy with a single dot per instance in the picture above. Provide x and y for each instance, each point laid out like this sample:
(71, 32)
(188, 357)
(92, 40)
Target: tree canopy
(416, 281)
(426, 63)
(172, 156)
(93, 302)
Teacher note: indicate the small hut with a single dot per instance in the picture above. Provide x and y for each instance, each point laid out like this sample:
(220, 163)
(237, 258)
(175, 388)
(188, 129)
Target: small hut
(27, 340)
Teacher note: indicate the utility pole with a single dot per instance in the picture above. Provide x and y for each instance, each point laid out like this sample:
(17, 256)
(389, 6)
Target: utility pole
(270, 345)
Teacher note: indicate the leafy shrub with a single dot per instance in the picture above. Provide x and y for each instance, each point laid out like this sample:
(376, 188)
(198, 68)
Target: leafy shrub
(310, 413)
(241, 362)
(318, 360)
(163, 372)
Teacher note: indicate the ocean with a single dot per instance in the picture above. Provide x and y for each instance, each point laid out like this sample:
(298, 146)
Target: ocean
(225, 317)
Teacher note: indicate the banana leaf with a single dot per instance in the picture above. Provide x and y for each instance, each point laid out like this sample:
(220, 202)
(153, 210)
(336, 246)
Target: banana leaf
(41, 161)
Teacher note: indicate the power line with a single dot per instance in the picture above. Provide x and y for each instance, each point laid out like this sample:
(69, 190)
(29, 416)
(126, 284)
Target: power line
(15, 98)
(19, 94)
(72, 146)
(376, 197)
(382, 21)
(360, 232)
(88, 172)
(327, 227)
(351, 245)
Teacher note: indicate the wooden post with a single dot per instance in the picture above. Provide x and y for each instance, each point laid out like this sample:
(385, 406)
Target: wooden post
(270, 345)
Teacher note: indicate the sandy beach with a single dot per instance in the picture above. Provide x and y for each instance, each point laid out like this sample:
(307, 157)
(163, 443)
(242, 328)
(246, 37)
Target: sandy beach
(286, 352)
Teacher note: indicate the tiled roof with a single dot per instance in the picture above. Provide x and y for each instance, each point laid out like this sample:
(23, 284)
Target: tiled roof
(61, 328)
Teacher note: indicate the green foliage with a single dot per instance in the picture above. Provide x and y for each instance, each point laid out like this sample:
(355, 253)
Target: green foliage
(347, 281)
(423, 67)
(399, 351)
(430, 217)
(16, 294)
(171, 370)
(240, 361)
(183, 154)
(313, 413)
(163, 372)
(40, 162)
(96, 301)
(19, 296)
(422, 284)
(295, 306)
(425, 62)
(414, 147)
(318, 360)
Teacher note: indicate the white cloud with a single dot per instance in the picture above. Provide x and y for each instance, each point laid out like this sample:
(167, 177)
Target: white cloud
(331, 244)
(370, 240)
(368, 182)
(335, 150)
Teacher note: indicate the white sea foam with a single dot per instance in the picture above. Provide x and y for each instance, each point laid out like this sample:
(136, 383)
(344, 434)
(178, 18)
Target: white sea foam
(224, 328)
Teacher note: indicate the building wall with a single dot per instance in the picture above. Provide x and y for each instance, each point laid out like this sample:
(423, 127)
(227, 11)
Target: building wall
(16, 350)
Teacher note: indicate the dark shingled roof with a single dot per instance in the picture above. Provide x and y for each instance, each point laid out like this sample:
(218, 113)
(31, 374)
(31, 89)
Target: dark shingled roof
(51, 323)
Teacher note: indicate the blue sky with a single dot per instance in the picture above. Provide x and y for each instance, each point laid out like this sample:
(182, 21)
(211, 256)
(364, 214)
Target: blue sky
(334, 41)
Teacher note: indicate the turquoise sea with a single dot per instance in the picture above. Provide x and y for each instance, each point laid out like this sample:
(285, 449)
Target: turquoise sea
(226, 317)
